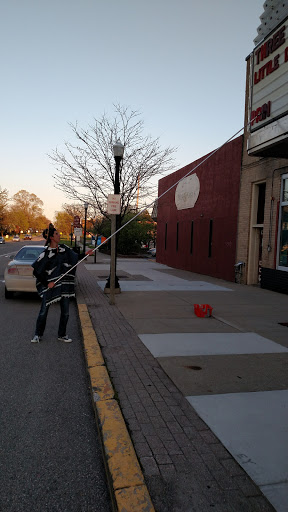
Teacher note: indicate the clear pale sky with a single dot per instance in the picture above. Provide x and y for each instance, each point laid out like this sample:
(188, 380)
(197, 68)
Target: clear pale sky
(180, 63)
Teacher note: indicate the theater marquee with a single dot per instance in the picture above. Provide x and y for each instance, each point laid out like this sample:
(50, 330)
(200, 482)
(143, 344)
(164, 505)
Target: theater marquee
(268, 112)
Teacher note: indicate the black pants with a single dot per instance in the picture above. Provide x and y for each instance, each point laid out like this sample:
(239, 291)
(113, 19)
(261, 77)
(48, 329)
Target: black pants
(42, 317)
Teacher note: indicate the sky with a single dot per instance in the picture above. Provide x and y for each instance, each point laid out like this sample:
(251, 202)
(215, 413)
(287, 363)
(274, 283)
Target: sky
(181, 64)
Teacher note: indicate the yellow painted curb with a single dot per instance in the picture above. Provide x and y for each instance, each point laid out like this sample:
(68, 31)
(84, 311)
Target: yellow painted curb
(101, 385)
(134, 499)
(122, 461)
(130, 491)
(92, 349)
(82, 308)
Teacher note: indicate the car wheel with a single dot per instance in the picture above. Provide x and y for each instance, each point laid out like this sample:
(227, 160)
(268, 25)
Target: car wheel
(8, 295)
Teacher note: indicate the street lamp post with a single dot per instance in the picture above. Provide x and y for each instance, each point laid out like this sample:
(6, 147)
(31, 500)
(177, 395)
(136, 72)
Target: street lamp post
(85, 222)
(118, 150)
(71, 234)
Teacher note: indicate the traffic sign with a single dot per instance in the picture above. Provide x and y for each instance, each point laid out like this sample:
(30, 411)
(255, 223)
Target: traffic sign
(77, 221)
(78, 232)
(113, 204)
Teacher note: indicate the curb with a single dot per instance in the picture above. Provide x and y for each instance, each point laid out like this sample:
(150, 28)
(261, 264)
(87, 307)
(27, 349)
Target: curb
(126, 477)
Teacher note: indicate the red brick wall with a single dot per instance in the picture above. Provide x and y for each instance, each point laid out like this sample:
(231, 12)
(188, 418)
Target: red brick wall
(218, 199)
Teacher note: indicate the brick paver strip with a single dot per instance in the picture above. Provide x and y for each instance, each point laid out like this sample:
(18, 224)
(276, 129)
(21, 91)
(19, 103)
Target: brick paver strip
(126, 480)
(186, 468)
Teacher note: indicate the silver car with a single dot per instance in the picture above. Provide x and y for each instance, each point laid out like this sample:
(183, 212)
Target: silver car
(18, 275)
(2, 240)
(152, 252)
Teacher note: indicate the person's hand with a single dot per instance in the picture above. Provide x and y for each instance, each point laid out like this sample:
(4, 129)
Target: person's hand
(51, 285)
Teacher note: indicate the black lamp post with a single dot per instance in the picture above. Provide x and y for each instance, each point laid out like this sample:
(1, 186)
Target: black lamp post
(85, 222)
(71, 234)
(118, 150)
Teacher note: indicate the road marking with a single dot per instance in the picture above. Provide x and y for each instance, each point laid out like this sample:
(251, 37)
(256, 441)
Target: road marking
(7, 254)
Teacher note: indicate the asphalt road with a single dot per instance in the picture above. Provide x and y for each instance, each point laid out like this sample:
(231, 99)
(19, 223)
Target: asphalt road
(50, 458)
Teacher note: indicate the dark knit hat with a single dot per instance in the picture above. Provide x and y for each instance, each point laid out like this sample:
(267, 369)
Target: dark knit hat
(48, 233)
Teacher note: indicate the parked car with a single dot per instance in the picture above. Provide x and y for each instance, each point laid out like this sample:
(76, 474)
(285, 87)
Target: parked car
(152, 252)
(16, 238)
(2, 240)
(27, 237)
(18, 275)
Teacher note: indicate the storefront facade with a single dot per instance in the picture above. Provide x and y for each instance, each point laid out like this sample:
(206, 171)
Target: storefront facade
(262, 241)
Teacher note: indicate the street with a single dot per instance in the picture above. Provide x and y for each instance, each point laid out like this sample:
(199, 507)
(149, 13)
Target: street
(204, 398)
(51, 457)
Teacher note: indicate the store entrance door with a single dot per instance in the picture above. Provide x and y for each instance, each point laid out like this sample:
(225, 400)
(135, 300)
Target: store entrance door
(255, 255)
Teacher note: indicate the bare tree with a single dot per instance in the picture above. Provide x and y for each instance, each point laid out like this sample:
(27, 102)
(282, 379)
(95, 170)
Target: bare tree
(74, 209)
(86, 170)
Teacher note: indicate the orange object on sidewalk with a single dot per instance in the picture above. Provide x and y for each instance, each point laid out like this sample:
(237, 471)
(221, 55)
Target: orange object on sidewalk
(203, 310)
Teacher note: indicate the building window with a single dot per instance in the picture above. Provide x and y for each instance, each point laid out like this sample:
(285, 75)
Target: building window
(165, 236)
(191, 237)
(177, 235)
(283, 225)
(261, 203)
(285, 190)
(210, 238)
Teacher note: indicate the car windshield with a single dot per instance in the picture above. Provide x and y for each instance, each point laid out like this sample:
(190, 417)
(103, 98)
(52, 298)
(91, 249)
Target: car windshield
(29, 253)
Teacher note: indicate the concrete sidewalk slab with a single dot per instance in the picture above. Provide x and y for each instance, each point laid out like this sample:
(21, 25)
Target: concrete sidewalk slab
(186, 467)
(246, 313)
(254, 428)
(157, 280)
(206, 375)
(151, 286)
(208, 343)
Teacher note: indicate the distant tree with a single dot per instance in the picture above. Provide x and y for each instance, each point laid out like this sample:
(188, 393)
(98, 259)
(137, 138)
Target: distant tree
(41, 223)
(3, 209)
(138, 232)
(65, 218)
(26, 212)
(74, 209)
(96, 224)
(77, 209)
(18, 220)
(86, 169)
(63, 222)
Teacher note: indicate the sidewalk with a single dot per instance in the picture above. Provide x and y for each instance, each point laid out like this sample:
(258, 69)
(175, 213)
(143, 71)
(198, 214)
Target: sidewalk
(183, 383)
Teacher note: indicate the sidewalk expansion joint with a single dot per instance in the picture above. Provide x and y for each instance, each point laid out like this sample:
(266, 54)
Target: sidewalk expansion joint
(125, 473)
(231, 324)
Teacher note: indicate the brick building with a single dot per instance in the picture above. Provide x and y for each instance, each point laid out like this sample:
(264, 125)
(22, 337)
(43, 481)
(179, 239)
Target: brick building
(262, 242)
(197, 219)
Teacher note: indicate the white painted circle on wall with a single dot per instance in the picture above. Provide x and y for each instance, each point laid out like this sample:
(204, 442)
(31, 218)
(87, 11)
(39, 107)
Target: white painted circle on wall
(187, 192)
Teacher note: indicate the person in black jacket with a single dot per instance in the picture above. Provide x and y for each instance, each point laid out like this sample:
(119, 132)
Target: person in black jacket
(52, 264)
